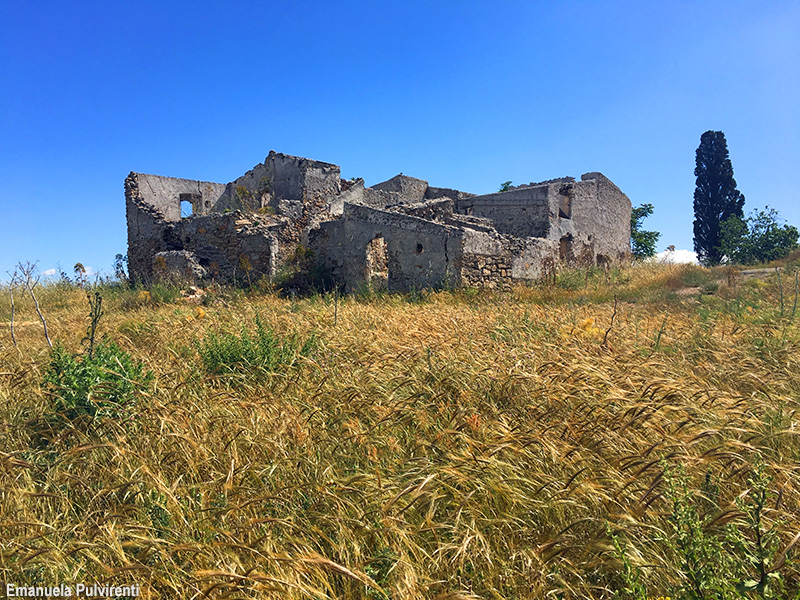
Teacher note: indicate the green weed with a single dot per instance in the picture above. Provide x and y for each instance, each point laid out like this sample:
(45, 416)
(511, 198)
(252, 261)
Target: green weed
(257, 350)
(104, 384)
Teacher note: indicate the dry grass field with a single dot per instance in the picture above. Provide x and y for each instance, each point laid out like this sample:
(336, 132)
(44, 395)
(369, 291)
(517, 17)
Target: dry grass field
(631, 434)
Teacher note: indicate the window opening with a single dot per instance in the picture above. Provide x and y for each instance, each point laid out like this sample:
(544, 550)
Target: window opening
(188, 204)
(565, 202)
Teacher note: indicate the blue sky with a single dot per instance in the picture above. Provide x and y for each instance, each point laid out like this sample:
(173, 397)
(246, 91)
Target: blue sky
(463, 94)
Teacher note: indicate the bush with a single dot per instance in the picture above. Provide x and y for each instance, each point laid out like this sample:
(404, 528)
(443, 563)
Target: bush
(104, 383)
(759, 239)
(259, 352)
(715, 559)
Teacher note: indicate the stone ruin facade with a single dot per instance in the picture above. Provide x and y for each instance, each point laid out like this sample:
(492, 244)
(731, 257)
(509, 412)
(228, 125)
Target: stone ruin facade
(401, 234)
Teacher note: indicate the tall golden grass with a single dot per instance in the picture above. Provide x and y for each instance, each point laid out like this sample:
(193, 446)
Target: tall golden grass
(457, 445)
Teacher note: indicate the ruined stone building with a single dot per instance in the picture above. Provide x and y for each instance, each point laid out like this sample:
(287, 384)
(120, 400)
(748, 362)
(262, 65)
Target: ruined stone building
(401, 234)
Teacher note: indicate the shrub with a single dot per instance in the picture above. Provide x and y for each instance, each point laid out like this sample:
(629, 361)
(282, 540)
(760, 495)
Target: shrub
(104, 383)
(705, 567)
(734, 562)
(758, 239)
(259, 352)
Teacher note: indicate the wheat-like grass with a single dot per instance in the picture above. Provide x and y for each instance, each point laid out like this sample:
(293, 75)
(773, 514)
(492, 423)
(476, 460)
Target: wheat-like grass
(461, 446)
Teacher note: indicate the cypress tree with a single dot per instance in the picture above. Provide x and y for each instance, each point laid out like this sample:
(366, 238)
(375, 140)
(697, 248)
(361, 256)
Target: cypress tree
(715, 196)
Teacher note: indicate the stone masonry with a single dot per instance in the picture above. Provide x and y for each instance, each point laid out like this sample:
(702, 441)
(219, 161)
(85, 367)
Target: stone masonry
(401, 234)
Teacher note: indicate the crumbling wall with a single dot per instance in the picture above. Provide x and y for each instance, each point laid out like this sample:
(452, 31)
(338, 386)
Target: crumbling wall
(419, 253)
(496, 261)
(233, 245)
(353, 192)
(601, 216)
(524, 212)
(160, 242)
(409, 188)
(533, 259)
(146, 237)
(327, 242)
(401, 192)
(433, 193)
(380, 199)
(166, 193)
(153, 207)
(432, 210)
(470, 222)
(486, 260)
(299, 189)
(283, 182)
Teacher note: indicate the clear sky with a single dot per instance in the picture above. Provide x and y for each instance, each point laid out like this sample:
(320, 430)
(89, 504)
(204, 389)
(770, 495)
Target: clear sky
(464, 94)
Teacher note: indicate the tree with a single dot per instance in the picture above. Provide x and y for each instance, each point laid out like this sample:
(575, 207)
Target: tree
(716, 198)
(760, 238)
(643, 243)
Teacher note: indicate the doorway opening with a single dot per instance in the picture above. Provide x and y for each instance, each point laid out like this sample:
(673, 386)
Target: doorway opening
(565, 249)
(377, 271)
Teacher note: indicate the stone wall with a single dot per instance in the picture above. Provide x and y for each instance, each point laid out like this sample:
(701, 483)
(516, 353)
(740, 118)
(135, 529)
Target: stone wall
(153, 207)
(431, 210)
(432, 193)
(400, 233)
(401, 191)
(233, 245)
(524, 212)
(218, 243)
(165, 193)
(496, 261)
(598, 227)
(300, 190)
(410, 188)
(146, 237)
(293, 177)
(486, 260)
(533, 259)
(281, 177)
(420, 253)
(604, 213)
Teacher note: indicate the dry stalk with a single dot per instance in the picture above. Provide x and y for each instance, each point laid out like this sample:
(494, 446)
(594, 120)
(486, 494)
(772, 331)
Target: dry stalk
(11, 285)
(613, 316)
(29, 281)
